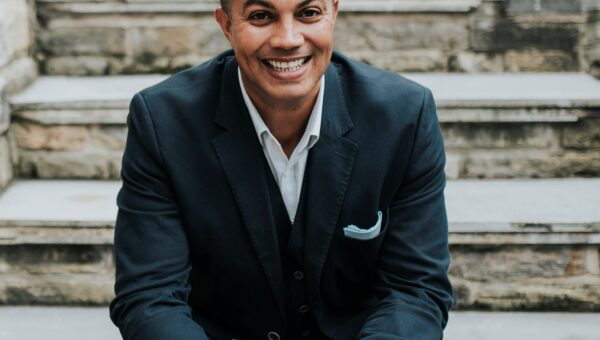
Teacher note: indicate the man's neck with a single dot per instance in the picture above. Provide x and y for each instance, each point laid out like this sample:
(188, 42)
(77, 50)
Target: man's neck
(286, 120)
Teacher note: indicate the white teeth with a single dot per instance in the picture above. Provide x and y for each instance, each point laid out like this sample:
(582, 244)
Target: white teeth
(283, 66)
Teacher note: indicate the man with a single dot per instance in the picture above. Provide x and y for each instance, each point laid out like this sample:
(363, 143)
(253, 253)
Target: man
(282, 191)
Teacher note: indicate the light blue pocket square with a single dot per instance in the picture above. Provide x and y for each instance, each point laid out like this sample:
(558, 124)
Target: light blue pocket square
(352, 231)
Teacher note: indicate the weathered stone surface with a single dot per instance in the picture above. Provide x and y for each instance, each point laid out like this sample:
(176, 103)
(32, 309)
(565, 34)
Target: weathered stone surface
(496, 263)
(4, 109)
(59, 289)
(70, 164)
(476, 62)
(513, 163)
(584, 135)
(84, 41)
(40, 259)
(18, 74)
(15, 36)
(6, 168)
(164, 41)
(37, 137)
(389, 32)
(467, 136)
(32, 136)
(492, 31)
(544, 6)
(404, 61)
(76, 66)
(530, 60)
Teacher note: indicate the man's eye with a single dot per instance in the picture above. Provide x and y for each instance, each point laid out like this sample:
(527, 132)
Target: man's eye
(310, 13)
(260, 16)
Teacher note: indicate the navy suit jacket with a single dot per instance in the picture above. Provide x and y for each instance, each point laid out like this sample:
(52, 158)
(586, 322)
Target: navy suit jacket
(195, 242)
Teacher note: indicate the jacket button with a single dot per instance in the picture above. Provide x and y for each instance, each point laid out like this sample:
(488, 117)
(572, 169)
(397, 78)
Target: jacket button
(298, 275)
(273, 336)
(303, 309)
(305, 332)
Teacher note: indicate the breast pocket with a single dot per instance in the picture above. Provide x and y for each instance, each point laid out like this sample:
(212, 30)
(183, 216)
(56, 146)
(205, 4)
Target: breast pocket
(363, 242)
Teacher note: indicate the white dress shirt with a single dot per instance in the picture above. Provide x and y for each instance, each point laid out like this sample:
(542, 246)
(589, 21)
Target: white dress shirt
(288, 173)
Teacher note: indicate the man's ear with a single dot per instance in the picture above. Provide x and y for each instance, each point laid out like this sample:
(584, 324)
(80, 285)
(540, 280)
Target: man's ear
(223, 20)
(336, 8)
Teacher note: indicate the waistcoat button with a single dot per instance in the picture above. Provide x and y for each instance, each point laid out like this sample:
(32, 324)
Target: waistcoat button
(273, 336)
(303, 309)
(298, 275)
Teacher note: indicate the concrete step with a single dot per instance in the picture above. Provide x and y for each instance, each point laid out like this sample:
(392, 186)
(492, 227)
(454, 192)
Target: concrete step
(495, 125)
(515, 244)
(79, 37)
(69, 323)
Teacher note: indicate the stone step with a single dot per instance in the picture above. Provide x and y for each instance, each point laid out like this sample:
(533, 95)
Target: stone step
(515, 244)
(68, 323)
(81, 37)
(495, 125)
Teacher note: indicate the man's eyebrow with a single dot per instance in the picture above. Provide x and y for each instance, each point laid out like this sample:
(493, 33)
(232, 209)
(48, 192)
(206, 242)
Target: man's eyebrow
(306, 2)
(263, 3)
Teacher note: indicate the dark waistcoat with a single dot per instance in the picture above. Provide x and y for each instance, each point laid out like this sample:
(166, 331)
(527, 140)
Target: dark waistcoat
(299, 316)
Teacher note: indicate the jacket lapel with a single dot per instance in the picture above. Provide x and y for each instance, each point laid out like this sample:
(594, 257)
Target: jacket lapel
(329, 171)
(241, 156)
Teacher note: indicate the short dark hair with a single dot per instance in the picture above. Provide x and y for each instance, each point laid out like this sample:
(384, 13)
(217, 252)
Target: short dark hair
(226, 5)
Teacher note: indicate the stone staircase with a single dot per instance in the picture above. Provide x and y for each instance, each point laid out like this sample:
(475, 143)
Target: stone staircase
(523, 148)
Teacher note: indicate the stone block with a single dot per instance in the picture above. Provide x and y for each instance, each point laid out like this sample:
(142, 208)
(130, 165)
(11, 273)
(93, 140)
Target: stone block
(40, 259)
(404, 61)
(90, 164)
(66, 289)
(392, 32)
(154, 42)
(503, 34)
(4, 109)
(76, 66)
(19, 73)
(544, 6)
(15, 33)
(514, 163)
(530, 60)
(6, 168)
(493, 135)
(33, 136)
(476, 62)
(94, 41)
(583, 135)
(510, 264)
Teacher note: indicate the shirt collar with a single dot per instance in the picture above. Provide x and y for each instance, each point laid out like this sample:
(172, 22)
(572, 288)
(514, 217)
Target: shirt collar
(313, 128)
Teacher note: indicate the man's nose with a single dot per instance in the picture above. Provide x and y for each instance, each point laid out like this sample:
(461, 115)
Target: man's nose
(287, 34)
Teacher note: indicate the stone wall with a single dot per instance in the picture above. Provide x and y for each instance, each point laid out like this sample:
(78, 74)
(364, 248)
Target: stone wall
(592, 43)
(17, 70)
(116, 37)
(6, 170)
(16, 37)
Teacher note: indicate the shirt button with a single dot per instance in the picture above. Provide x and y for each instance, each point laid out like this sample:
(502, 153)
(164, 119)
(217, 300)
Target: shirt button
(303, 309)
(305, 332)
(298, 275)
(273, 336)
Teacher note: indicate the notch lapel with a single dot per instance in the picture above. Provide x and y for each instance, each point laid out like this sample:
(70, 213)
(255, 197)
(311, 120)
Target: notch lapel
(241, 156)
(329, 171)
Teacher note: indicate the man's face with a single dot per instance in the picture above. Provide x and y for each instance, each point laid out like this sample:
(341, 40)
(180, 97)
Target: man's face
(283, 47)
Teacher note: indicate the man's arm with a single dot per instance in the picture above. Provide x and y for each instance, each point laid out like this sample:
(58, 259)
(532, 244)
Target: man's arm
(151, 247)
(412, 282)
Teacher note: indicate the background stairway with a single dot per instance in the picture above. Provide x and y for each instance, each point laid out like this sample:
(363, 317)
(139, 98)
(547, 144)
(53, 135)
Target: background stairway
(518, 104)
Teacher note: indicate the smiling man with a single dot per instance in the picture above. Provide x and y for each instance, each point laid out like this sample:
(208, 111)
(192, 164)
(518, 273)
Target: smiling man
(282, 191)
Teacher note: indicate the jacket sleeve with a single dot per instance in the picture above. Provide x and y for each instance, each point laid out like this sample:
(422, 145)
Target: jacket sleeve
(412, 275)
(151, 247)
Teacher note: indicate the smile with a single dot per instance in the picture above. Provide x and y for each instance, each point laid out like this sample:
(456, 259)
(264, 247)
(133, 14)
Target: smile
(286, 66)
